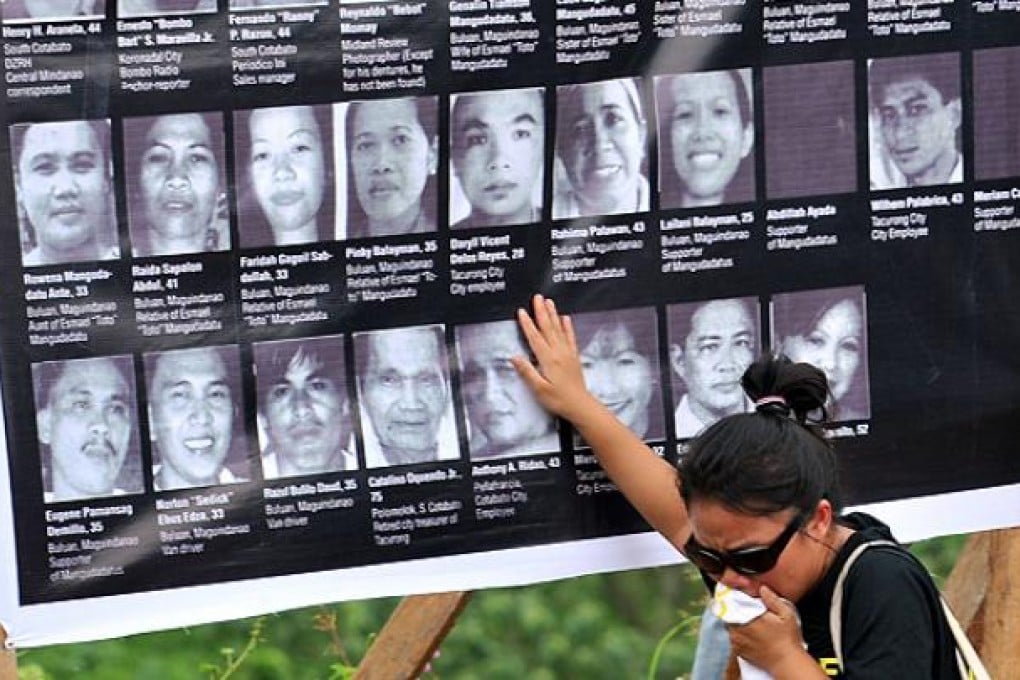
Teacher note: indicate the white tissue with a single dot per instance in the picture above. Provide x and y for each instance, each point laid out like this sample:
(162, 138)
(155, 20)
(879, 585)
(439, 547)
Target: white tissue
(734, 606)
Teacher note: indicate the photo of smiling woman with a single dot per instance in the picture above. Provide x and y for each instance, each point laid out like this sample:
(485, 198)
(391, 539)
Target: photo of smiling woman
(177, 201)
(706, 124)
(828, 329)
(601, 135)
(620, 361)
(392, 146)
(284, 165)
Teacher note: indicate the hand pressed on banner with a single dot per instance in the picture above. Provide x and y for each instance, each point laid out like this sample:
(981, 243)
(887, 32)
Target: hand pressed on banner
(558, 382)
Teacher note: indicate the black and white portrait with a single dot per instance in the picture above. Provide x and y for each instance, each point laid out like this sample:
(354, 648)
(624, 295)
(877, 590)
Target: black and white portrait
(195, 418)
(52, 10)
(997, 113)
(304, 407)
(177, 201)
(146, 8)
(404, 396)
(706, 133)
(63, 181)
(810, 134)
(497, 152)
(272, 4)
(502, 415)
(620, 360)
(283, 160)
(392, 152)
(914, 123)
(601, 149)
(87, 425)
(711, 344)
(828, 329)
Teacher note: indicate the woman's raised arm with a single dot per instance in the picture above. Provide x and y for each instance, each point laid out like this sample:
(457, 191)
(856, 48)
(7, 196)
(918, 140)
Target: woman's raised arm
(648, 481)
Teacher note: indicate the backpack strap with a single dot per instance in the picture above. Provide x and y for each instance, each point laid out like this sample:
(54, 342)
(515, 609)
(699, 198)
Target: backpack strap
(967, 659)
(836, 605)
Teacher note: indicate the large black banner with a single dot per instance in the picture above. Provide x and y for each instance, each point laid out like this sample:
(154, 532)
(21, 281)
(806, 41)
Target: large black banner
(261, 261)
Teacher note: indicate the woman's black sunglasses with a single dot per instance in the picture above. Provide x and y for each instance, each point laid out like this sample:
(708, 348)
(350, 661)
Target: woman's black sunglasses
(746, 561)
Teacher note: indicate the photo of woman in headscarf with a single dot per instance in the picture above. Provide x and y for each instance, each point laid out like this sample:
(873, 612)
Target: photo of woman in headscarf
(601, 136)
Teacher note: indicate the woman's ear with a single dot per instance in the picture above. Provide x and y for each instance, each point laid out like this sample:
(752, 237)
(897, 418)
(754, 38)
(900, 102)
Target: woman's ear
(820, 521)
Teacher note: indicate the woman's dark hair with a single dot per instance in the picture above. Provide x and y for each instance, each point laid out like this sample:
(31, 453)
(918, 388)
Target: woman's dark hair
(671, 187)
(252, 226)
(800, 313)
(427, 108)
(639, 323)
(774, 458)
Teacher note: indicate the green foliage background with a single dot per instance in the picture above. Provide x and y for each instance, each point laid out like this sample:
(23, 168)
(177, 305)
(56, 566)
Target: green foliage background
(602, 626)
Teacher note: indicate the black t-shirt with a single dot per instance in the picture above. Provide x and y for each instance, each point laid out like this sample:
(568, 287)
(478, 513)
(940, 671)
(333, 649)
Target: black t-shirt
(893, 624)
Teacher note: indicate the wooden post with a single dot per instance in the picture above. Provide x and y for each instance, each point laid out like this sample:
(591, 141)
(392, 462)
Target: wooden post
(411, 636)
(8, 659)
(984, 592)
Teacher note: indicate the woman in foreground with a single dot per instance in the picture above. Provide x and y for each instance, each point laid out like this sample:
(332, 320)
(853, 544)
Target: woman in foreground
(755, 507)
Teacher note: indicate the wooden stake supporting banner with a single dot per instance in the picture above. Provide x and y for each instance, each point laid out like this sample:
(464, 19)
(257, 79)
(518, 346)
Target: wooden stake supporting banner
(8, 659)
(984, 592)
(411, 636)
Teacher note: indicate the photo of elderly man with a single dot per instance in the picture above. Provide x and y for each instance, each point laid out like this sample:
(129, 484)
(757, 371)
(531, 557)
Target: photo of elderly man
(86, 420)
(503, 416)
(404, 393)
(63, 181)
(497, 142)
(194, 414)
(915, 121)
(304, 408)
(711, 345)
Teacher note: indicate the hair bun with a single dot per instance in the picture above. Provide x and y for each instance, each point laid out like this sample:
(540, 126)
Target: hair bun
(780, 386)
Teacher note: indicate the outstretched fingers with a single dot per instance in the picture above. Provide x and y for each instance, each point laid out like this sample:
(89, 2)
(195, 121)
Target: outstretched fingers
(544, 330)
(532, 334)
(556, 379)
(549, 322)
(568, 332)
